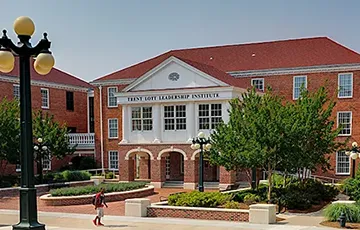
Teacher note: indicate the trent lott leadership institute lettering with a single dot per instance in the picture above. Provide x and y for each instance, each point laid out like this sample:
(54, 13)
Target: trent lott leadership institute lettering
(174, 97)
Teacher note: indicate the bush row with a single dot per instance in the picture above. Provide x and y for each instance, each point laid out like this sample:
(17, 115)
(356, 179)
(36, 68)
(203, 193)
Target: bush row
(351, 211)
(199, 199)
(87, 190)
(66, 176)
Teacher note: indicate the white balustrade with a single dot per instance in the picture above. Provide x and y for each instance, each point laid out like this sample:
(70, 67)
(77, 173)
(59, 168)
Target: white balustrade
(82, 139)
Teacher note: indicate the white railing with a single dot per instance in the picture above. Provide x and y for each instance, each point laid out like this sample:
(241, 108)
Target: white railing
(82, 139)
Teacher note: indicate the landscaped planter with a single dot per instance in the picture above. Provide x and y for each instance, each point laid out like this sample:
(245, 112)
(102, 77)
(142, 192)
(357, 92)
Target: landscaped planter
(163, 210)
(49, 200)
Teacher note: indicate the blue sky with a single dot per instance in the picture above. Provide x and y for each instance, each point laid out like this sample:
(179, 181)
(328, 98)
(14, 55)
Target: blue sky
(91, 38)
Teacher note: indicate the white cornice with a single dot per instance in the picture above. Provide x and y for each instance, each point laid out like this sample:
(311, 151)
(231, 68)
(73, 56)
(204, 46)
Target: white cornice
(125, 81)
(297, 70)
(45, 84)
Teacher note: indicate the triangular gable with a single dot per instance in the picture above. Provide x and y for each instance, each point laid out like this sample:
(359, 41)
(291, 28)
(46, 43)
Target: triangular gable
(174, 73)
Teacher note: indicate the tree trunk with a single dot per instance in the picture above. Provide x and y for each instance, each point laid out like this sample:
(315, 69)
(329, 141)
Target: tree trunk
(270, 182)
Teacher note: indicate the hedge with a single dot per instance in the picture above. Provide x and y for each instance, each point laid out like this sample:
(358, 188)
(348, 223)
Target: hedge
(199, 199)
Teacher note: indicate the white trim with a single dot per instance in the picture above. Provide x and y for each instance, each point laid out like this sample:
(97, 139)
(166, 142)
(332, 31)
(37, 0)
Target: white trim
(299, 76)
(49, 168)
(352, 85)
(171, 59)
(48, 98)
(138, 150)
(337, 123)
(45, 84)
(336, 164)
(263, 82)
(108, 97)
(18, 169)
(117, 133)
(109, 159)
(172, 149)
(194, 154)
(124, 81)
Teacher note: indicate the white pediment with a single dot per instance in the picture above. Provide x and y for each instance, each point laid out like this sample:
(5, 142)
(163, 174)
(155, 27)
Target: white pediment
(173, 73)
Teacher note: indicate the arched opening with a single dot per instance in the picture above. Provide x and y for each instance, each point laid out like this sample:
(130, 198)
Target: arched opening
(211, 172)
(174, 166)
(141, 160)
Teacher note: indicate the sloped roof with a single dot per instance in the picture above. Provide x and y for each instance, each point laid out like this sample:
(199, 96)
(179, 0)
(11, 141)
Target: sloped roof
(294, 53)
(55, 76)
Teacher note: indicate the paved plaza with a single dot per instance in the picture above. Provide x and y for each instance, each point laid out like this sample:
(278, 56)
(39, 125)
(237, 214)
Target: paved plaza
(68, 221)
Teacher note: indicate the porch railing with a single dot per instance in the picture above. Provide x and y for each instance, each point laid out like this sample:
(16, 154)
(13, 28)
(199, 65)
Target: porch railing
(82, 140)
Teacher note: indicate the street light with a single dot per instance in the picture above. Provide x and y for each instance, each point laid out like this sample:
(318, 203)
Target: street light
(353, 154)
(41, 150)
(24, 28)
(200, 142)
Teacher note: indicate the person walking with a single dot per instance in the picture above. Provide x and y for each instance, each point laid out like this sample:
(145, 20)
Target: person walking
(99, 203)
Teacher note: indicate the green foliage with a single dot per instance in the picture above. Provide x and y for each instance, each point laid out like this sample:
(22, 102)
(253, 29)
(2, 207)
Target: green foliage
(232, 205)
(9, 181)
(251, 199)
(66, 176)
(82, 163)
(110, 175)
(9, 131)
(86, 190)
(199, 199)
(351, 211)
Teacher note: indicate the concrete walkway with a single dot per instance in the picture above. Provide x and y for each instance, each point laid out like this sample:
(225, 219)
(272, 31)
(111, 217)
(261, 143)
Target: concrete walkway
(83, 221)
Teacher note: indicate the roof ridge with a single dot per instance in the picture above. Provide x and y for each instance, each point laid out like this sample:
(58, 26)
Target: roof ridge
(253, 43)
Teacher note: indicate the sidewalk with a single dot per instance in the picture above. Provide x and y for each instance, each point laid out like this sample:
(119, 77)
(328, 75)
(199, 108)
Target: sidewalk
(66, 221)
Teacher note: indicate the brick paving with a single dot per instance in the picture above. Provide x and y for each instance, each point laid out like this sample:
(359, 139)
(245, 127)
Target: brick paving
(115, 208)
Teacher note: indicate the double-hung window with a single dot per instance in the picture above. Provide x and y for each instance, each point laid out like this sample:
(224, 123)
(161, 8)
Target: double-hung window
(344, 119)
(141, 118)
(175, 117)
(46, 162)
(298, 83)
(258, 83)
(345, 81)
(16, 91)
(111, 97)
(69, 101)
(113, 127)
(210, 115)
(45, 98)
(342, 163)
(113, 160)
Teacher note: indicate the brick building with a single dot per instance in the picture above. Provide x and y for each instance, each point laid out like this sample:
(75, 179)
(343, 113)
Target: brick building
(66, 97)
(148, 113)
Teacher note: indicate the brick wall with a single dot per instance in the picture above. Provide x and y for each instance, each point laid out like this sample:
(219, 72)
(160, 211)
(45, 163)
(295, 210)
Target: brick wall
(198, 213)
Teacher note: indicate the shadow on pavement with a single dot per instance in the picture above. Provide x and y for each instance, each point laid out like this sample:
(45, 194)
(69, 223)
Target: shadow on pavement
(116, 226)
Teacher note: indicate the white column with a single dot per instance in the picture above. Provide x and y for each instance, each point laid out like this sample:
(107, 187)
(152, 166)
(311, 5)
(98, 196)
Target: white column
(125, 124)
(190, 121)
(157, 123)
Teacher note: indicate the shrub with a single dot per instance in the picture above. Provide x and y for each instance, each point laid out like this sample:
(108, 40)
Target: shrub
(199, 199)
(232, 205)
(251, 199)
(110, 175)
(9, 181)
(86, 190)
(351, 187)
(76, 175)
(87, 163)
(351, 211)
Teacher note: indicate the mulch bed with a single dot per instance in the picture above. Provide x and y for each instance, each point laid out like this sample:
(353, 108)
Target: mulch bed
(337, 225)
(314, 208)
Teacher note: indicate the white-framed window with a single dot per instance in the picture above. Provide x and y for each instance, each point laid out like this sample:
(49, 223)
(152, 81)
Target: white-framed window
(44, 98)
(344, 119)
(167, 167)
(16, 91)
(258, 83)
(111, 97)
(18, 167)
(345, 83)
(46, 164)
(113, 127)
(175, 117)
(342, 163)
(210, 115)
(113, 160)
(181, 164)
(141, 119)
(298, 83)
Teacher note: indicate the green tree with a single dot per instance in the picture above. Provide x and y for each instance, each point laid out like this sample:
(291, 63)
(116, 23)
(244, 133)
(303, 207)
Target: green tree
(9, 131)
(50, 140)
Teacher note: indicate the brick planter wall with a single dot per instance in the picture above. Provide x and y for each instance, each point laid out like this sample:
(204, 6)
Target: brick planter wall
(48, 200)
(43, 188)
(198, 213)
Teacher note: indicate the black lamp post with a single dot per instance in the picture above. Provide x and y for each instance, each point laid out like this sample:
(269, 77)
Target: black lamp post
(24, 28)
(353, 154)
(202, 143)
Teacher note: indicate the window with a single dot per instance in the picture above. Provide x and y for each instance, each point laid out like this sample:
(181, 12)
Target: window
(113, 160)
(44, 98)
(71, 129)
(209, 116)
(299, 82)
(70, 101)
(175, 117)
(113, 127)
(344, 120)
(258, 83)
(111, 97)
(345, 81)
(141, 118)
(342, 163)
(91, 115)
(18, 167)
(16, 91)
(46, 164)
